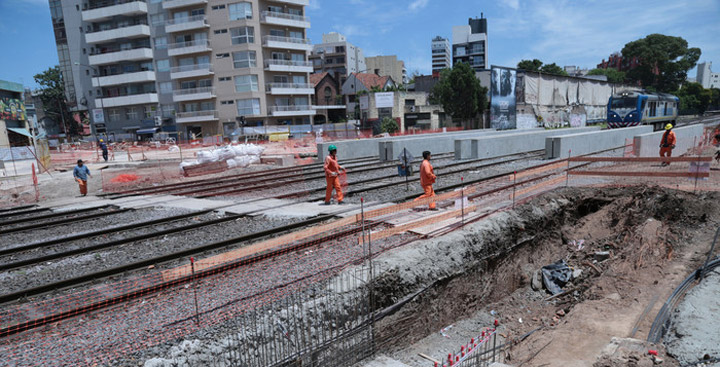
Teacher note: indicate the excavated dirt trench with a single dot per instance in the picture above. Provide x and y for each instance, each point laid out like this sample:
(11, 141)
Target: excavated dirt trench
(654, 237)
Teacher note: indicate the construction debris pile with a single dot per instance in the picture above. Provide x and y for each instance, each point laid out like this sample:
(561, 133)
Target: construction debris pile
(241, 155)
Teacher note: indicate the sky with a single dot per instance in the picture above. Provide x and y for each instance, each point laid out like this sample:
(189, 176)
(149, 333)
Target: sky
(580, 32)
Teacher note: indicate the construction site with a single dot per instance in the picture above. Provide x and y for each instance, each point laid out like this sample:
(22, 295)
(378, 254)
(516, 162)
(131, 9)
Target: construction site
(545, 247)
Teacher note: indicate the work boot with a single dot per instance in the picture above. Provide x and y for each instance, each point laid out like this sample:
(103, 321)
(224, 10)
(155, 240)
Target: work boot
(326, 203)
(341, 203)
(434, 209)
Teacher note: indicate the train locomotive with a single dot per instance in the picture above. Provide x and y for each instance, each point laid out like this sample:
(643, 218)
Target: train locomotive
(642, 108)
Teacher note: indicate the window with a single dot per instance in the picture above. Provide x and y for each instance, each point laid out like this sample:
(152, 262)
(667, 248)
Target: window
(157, 19)
(161, 42)
(224, 79)
(277, 32)
(299, 79)
(220, 31)
(244, 59)
(149, 111)
(297, 57)
(301, 101)
(227, 102)
(166, 87)
(297, 35)
(163, 65)
(222, 56)
(242, 35)
(246, 83)
(275, 9)
(247, 107)
(131, 113)
(114, 115)
(240, 11)
(218, 7)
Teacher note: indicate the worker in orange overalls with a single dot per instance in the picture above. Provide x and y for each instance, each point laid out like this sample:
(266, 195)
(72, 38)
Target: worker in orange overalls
(427, 179)
(332, 170)
(667, 143)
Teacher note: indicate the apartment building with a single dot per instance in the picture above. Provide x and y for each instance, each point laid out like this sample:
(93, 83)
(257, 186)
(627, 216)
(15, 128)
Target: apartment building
(441, 56)
(194, 66)
(337, 56)
(470, 44)
(387, 65)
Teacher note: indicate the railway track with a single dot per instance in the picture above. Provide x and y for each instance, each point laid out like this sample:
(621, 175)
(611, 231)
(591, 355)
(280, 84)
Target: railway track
(57, 218)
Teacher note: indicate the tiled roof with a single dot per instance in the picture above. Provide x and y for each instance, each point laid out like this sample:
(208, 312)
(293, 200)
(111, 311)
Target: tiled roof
(316, 78)
(372, 80)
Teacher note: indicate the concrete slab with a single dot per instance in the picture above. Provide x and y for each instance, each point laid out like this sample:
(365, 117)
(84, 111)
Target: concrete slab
(383, 361)
(519, 141)
(648, 145)
(146, 201)
(368, 206)
(195, 204)
(307, 210)
(255, 206)
(73, 203)
(558, 146)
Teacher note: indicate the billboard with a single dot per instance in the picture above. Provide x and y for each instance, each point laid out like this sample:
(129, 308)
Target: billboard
(364, 102)
(12, 109)
(384, 100)
(502, 98)
(98, 116)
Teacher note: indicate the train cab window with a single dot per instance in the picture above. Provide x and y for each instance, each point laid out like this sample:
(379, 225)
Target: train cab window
(665, 110)
(653, 109)
(620, 103)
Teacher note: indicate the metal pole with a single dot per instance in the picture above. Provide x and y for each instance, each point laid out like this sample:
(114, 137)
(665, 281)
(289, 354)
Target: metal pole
(197, 313)
(514, 187)
(462, 202)
(697, 165)
(405, 162)
(62, 117)
(567, 172)
(362, 218)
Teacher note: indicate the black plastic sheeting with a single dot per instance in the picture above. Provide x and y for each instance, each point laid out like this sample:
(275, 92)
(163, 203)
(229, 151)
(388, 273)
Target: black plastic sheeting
(555, 276)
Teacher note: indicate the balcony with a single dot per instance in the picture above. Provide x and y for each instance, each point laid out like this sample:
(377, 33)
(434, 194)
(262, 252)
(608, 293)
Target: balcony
(133, 31)
(186, 24)
(191, 71)
(196, 116)
(284, 19)
(107, 10)
(291, 66)
(145, 98)
(288, 43)
(174, 4)
(293, 2)
(281, 111)
(193, 94)
(137, 54)
(140, 76)
(289, 88)
(190, 47)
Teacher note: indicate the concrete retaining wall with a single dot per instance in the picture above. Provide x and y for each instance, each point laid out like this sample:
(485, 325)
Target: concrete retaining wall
(648, 145)
(589, 142)
(351, 149)
(506, 143)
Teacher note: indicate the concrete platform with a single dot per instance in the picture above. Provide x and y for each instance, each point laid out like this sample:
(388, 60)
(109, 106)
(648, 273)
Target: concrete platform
(383, 361)
(307, 210)
(648, 145)
(519, 141)
(558, 146)
(254, 206)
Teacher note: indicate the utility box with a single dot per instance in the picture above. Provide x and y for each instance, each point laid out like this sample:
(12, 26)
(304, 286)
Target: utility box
(405, 170)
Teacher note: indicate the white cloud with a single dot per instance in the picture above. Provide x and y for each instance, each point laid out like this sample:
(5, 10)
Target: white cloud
(314, 5)
(349, 30)
(33, 2)
(515, 4)
(418, 4)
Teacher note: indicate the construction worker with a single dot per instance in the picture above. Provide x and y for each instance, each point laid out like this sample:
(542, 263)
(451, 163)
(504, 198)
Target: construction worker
(667, 144)
(104, 148)
(332, 170)
(427, 179)
(81, 174)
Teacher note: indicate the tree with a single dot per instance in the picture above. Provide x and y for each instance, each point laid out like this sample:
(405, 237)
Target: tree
(52, 95)
(694, 99)
(530, 65)
(553, 69)
(613, 76)
(460, 92)
(388, 125)
(663, 61)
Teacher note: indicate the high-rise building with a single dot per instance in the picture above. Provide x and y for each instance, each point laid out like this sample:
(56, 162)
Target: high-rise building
(706, 77)
(337, 56)
(441, 56)
(194, 66)
(387, 66)
(470, 43)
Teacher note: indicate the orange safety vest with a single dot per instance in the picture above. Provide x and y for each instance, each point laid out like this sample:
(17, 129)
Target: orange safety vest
(427, 176)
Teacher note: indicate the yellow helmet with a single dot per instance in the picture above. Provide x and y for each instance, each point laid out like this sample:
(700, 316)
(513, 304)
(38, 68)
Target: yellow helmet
(668, 126)
(101, 140)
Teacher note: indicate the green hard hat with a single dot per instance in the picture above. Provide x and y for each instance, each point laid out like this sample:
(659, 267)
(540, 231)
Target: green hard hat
(332, 147)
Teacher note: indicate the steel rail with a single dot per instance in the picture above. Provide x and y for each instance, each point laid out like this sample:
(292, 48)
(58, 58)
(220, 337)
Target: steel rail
(10, 209)
(22, 212)
(62, 221)
(53, 215)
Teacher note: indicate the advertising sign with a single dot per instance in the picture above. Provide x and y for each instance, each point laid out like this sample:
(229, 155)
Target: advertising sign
(98, 116)
(384, 100)
(502, 98)
(12, 109)
(364, 102)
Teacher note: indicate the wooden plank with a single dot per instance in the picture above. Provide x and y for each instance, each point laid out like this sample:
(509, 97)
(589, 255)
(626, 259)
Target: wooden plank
(539, 186)
(639, 174)
(535, 171)
(420, 223)
(640, 159)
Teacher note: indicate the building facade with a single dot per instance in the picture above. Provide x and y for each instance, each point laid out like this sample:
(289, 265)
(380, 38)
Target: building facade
(14, 129)
(337, 56)
(187, 67)
(470, 44)
(387, 65)
(441, 56)
(706, 77)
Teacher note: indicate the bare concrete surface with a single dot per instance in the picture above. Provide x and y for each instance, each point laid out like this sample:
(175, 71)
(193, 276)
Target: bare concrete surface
(383, 361)
(694, 333)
